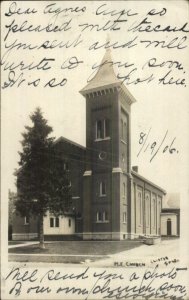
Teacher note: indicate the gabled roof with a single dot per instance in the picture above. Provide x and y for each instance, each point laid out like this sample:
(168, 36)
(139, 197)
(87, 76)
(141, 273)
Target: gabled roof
(65, 140)
(106, 78)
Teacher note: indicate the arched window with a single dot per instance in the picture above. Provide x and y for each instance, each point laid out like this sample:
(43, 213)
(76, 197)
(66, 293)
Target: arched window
(169, 227)
(140, 206)
(147, 205)
(154, 212)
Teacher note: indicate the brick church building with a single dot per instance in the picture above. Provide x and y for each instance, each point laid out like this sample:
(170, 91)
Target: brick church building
(110, 200)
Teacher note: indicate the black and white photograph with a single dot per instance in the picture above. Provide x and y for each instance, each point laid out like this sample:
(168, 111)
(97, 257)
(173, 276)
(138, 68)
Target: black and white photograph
(94, 150)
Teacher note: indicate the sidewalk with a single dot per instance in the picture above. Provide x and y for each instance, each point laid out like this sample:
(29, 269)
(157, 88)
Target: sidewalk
(167, 250)
(22, 244)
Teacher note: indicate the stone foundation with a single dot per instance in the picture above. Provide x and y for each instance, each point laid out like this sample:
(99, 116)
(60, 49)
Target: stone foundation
(24, 236)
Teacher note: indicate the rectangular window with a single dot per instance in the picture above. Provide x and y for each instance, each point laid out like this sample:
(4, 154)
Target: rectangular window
(99, 130)
(69, 222)
(102, 129)
(56, 222)
(106, 128)
(26, 220)
(51, 222)
(66, 166)
(102, 188)
(101, 216)
(105, 216)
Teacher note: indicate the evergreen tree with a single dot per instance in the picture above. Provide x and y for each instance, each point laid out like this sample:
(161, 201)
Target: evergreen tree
(43, 184)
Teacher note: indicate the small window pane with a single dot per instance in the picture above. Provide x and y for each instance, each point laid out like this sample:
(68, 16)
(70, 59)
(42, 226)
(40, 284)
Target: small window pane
(102, 188)
(99, 130)
(66, 166)
(69, 222)
(105, 216)
(99, 216)
(51, 222)
(106, 128)
(57, 222)
(26, 220)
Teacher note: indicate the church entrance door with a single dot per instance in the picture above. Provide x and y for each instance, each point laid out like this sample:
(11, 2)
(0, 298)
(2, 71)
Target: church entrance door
(169, 227)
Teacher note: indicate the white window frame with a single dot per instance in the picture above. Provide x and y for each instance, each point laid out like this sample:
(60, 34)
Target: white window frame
(147, 210)
(140, 207)
(98, 217)
(154, 211)
(54, 222)
(104, 216)
(105, 125)
(103, 130)
(101, 188)
(26, 222)
(101, 137)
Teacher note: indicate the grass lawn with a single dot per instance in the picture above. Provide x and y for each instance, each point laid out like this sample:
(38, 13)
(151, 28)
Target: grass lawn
(81, 248)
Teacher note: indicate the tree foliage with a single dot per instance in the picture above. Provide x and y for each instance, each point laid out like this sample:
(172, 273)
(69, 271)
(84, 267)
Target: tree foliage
(43, 184)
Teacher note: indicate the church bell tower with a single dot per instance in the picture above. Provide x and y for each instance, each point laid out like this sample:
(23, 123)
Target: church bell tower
(107, 177)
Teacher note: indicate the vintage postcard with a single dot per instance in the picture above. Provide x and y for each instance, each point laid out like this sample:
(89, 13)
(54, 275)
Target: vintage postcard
(94, 150)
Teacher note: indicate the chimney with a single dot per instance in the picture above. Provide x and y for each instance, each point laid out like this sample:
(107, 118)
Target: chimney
(135, 168)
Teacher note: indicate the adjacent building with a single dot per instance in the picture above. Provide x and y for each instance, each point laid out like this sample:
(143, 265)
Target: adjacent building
(170, 216)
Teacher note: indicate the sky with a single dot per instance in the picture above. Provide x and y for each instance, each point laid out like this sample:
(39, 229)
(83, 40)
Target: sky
(161, 110)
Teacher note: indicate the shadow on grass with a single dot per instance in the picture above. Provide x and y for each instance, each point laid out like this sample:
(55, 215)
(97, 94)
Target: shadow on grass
(78, 248)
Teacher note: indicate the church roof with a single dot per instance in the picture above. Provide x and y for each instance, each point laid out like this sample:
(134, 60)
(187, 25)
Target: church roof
(105, 78)
(135, 174)
(65, 140)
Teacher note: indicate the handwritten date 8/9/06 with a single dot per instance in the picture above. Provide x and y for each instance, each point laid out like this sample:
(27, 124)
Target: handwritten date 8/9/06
(155, 147)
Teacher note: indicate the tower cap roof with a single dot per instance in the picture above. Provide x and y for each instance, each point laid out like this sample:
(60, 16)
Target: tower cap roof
(105, 78)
